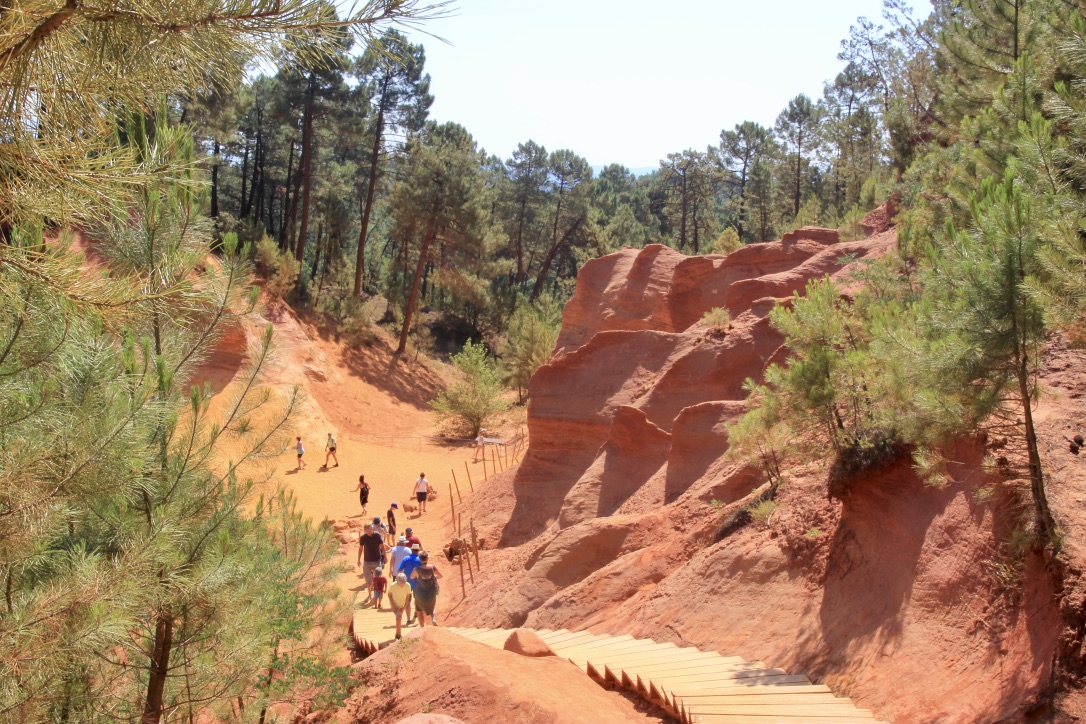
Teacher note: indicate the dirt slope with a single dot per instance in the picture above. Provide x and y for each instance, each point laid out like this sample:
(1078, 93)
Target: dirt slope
(904, 597)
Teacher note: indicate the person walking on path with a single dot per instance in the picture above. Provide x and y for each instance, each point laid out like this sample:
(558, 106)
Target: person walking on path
(399, 599)
(480, 446)
(407, 567)
(426, 589)
(300, 449)
(412, 539)
(390, 516)
(397, 554)
(379, 528)
(371, 552)
(422, 492)
(330, 450)
(363, 492)
(380, 583)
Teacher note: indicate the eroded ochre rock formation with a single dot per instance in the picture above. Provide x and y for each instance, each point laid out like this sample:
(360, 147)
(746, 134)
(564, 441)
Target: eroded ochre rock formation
(613, 518)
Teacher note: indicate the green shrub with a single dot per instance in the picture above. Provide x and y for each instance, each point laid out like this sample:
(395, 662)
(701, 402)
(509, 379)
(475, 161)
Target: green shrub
(280, 268)
(477, 396)
(762, 511)
(726, 243)
(716, 318)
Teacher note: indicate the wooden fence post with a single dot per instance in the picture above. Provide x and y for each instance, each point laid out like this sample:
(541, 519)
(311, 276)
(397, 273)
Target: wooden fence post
(474, 542)
(452, 503)
(457, 484)
(468, 471)
(468, 558)
(463, 586)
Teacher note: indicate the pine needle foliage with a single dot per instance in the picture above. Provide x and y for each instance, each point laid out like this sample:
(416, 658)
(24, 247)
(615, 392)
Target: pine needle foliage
(48, 49)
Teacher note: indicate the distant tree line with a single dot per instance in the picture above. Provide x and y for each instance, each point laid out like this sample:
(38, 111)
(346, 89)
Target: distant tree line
(341, 167)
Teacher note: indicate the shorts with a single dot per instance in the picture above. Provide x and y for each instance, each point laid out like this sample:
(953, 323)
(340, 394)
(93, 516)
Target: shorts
(301, 453)
(396, 611)
(426, 604)
(331, 449)
(368, 567)
(421, 497)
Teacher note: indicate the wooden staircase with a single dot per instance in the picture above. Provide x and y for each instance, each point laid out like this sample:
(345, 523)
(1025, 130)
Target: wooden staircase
(697, 687)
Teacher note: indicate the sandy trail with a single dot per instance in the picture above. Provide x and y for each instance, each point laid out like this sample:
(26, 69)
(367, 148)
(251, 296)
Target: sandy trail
(391, 472)
(359, 397)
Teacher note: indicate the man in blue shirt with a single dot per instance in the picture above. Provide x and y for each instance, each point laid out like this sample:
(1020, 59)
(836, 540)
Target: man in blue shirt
(409, 564)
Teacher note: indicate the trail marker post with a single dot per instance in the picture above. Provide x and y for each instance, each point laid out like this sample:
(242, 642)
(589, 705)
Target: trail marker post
(457, 484)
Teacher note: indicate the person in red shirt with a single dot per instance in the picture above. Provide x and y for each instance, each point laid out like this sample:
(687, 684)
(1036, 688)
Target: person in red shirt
(380, 585)
(412, 538)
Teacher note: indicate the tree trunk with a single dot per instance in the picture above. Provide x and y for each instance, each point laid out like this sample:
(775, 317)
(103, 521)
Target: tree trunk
(545, 267)
(244, 176)
(215, 183)
(258, 178)
(1045, 523)
(284, 234)
(160, 667)
(360, 262)
(799, 171)
(431, 234)
(307, 175)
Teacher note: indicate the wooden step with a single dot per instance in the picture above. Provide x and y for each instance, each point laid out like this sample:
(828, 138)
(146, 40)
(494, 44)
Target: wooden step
(800, 711)
(665, 691)
(639, 678)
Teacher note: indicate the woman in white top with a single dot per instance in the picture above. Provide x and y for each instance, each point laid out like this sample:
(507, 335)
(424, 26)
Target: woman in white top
(422, 491)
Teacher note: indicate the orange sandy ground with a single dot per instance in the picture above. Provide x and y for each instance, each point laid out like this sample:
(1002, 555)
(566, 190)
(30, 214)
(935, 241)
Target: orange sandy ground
(391, 473)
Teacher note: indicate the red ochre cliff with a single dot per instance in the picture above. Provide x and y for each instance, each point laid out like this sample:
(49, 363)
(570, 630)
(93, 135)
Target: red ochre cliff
(892, 597)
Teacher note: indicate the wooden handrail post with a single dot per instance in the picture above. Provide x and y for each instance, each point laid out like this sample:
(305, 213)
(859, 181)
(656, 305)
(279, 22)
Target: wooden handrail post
(474, 542)
(457, 484)
(468, 471)
(470, 573)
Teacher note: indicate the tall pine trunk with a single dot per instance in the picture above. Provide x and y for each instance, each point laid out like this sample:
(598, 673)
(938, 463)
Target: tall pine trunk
(360, 261)
(307, 175)
(215, 183)
(284, 232)
(412, 298)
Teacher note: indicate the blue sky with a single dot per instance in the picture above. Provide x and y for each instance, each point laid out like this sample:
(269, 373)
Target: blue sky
(629, 81)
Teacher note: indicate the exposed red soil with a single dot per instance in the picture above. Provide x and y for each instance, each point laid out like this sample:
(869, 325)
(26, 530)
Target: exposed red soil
(907, 598)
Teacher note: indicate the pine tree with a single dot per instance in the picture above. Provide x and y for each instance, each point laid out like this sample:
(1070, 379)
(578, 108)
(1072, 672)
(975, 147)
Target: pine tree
(797, 129)
(986, 327)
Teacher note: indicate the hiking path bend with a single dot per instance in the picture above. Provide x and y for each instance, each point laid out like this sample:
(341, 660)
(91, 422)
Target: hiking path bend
(697, 687)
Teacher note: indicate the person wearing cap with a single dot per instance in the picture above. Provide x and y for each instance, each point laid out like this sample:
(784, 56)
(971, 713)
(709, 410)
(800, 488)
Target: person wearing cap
(391, 517)
(426, 588)
(407, 567)
(399, 552)
(399, 598)
(412, 539)
(371, 552)
(380, 584)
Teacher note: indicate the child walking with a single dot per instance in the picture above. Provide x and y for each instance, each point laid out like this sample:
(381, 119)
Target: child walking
(380, 585)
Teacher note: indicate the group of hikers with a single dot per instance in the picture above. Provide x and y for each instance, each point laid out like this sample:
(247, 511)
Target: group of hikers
(329, 452)
(415, 577)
